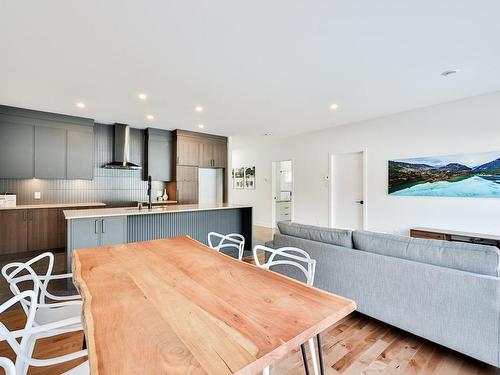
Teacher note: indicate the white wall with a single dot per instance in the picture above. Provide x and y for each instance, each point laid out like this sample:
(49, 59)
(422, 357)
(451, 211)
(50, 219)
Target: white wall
(469, 125)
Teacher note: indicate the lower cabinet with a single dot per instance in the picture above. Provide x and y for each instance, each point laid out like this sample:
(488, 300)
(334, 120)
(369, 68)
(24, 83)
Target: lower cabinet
(97, 231)
(13, 231)
(283, 211)
(46, 230)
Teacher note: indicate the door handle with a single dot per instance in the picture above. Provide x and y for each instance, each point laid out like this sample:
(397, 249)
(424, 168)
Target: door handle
(360, 202)
(102, 226)
(96, 226)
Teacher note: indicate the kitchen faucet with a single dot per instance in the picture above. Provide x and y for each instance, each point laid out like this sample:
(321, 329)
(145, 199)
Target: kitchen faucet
(150, 204)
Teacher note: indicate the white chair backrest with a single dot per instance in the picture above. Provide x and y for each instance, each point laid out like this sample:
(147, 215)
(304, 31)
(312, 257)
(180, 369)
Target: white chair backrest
(290, 256)
(16, 272)
(8, 366)
(26, 298)
(23, 341)
(219, 241)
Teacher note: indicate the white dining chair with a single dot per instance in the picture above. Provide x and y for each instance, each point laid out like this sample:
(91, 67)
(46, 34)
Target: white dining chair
(18, 275)
(300, 259)
(8, 366)
(219, 241)
(13, 269)
(23, 341)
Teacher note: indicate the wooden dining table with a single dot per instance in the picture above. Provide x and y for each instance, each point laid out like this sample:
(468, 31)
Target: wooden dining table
(175, 306)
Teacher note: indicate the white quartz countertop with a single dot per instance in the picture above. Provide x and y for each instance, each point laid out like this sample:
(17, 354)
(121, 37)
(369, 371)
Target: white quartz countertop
(52, 205)
(128, 211)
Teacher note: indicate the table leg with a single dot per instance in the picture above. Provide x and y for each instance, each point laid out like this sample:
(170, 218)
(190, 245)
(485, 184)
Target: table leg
(320, 354)
(304, 358)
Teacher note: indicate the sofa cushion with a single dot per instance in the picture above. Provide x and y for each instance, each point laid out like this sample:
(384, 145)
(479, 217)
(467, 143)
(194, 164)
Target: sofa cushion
(339, 237)
(481, 259)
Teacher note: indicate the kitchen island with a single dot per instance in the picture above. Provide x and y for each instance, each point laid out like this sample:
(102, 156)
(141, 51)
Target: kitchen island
(110, 226)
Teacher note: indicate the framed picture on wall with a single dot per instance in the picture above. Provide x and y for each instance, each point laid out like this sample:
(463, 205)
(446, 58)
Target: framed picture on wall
(250, 177)
(238, 175)
(464, 175)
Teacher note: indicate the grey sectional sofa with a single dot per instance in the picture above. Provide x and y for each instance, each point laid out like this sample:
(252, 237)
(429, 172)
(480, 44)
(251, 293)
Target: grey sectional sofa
(446, 292)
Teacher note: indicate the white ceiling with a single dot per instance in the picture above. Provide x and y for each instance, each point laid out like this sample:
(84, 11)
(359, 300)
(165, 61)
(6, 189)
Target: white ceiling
(255, 66)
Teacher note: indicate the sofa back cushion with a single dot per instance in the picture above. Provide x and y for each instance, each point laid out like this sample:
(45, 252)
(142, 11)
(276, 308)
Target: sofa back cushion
(481, 259)
(339, 237)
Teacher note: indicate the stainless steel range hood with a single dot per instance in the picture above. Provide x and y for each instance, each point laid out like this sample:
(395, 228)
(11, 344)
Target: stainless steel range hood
(121, 149)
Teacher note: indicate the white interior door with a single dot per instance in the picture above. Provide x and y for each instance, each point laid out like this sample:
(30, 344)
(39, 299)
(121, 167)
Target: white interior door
(347, 190)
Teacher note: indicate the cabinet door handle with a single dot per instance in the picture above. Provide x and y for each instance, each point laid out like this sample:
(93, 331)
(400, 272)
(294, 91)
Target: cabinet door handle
(96, 226)
(25, 215)
(102, 226)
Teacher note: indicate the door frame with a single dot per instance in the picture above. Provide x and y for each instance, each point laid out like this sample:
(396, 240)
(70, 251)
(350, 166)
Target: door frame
(331, 155)
(273, 190)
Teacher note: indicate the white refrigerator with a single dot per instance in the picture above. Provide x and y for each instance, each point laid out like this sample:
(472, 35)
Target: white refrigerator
(210, 183)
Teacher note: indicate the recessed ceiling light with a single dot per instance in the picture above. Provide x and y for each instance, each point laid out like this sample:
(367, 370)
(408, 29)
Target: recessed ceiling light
(80, 105)
(150, 117)
(142, 96)
(199, 109)
(201, 126)
(450, 72)
(334, 106)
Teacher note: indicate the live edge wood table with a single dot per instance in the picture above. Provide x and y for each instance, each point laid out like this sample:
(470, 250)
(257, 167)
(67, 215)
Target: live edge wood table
(175, 306)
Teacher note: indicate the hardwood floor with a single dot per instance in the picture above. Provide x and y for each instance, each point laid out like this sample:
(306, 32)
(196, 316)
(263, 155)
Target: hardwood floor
(356, 345)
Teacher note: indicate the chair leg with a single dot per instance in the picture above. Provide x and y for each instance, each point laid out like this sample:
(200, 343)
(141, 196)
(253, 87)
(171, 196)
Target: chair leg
(266, 371)
(304, 359)
(320, 354)
(314, 359)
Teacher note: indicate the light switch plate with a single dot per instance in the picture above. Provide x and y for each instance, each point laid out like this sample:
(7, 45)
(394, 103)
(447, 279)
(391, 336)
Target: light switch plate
(38, 195)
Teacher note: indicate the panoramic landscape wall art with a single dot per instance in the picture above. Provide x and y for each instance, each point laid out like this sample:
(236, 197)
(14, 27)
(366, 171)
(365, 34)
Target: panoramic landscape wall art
(467, 175)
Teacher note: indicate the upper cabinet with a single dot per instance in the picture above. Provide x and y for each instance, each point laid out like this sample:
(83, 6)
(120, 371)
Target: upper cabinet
(80, 156)
(45, 145)
(50, 152)
(16, 148)
(188, 150)
(159, 154)
(201, 150)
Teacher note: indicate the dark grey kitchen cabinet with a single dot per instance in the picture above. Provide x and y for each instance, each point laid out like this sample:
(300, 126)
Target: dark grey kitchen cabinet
(159, 154)
(79, 158)
(50, 152)
(16, 149)
(45, 145)
(113, 230)
(95, 231)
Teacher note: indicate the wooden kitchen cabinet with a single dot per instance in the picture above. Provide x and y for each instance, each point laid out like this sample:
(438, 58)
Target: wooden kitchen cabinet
(201, 150)
(187, 185)
(13, 231)
(188, 150)
(46, 229)
(219, 154)
(213, 153)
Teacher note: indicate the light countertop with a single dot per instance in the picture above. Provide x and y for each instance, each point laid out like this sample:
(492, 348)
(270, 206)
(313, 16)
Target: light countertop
(53, 205)
(158, 202)
(128, 211)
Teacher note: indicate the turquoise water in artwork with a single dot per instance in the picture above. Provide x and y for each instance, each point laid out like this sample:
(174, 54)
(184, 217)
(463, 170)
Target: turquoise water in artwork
(476, 186)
